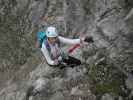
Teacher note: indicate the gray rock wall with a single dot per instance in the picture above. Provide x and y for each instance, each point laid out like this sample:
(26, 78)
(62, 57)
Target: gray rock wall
(108, 21)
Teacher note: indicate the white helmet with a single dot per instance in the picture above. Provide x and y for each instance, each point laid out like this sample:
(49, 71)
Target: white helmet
(51, 32)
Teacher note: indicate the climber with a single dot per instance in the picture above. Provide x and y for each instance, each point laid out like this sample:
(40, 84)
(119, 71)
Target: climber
(51, 47)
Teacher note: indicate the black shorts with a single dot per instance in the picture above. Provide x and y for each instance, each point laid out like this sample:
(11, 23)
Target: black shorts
(71, 61)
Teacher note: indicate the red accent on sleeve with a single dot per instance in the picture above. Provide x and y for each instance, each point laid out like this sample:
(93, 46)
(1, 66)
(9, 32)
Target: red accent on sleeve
(73, 48)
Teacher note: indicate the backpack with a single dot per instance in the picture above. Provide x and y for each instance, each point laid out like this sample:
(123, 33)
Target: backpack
(41, 36)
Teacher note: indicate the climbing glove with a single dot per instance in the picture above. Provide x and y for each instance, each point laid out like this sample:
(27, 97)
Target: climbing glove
(89, 39)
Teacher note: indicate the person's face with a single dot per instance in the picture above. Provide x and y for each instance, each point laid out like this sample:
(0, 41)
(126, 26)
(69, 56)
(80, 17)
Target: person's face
(52, 40)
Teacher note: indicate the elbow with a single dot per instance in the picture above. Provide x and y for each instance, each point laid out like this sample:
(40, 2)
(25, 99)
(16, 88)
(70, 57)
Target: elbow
(47, 57)
(50, 63)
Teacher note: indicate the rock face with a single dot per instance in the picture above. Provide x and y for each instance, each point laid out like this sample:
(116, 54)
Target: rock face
(23, 72)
